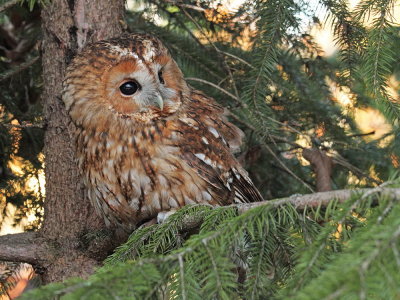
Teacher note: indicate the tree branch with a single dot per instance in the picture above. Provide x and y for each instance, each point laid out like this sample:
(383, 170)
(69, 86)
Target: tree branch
(322, 165)
(194, 7)
(28, 247)
(24, 247)
(18, 69)
(321, 199)
(8, 5)
(300, 202)
(23, 125)
(213, 85)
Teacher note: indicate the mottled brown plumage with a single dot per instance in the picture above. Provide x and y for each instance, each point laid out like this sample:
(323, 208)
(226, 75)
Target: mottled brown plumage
(146, 141)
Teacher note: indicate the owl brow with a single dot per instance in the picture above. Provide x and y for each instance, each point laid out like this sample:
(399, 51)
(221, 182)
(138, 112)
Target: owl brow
(147, 65)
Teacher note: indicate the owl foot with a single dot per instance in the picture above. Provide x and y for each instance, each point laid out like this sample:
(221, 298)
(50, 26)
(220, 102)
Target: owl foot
(161, 218)
(164, 215)
(148, 223)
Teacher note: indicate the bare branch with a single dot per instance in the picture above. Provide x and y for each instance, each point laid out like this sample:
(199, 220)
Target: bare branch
(339, 160)
(237, 58)
(300, 202)
(321, 199)
(23, 125)
(183, 5)
(18, 69)
(225, 65)
(8, 4)
(287, 169)
(24, 247)
(213, 85)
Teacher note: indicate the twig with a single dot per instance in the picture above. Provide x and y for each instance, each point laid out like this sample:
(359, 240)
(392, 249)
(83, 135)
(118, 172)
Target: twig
(18, 69)
(241, 121)
(181, 23)
(226, 66)
(23, 125)
(213, 85)
(8, 4)
(196, 61)
(290, 127)
(237, 58)
(362, 134)
(336, 158)
(287, 169)
(339, 160)
(183, 5)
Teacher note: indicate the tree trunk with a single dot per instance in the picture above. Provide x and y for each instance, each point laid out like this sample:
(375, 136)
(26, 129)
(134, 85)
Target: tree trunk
(59, 247)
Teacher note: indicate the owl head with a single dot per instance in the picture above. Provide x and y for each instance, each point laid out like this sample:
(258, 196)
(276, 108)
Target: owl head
(131, 77)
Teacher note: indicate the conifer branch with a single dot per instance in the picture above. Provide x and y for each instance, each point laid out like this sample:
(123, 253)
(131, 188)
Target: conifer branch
(215, 86)
(300, 202)
(18, 69)
(287, 169)
(23, 125)
(23, 247)
(8, 4)
(323, 199)
(183, 5)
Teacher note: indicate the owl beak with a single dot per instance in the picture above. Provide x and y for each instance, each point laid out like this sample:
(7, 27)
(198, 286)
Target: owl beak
(159, 102)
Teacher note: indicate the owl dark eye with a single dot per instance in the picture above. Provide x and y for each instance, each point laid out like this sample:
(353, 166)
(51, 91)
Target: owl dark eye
(129, 88)
(160, 77)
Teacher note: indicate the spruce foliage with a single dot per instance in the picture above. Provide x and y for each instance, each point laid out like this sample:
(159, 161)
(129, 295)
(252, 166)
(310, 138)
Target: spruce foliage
(271, 251)
(261, 62)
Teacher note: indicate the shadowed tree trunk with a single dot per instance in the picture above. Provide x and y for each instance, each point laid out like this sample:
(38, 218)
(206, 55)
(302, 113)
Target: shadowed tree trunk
(67, 27)
(59, 248)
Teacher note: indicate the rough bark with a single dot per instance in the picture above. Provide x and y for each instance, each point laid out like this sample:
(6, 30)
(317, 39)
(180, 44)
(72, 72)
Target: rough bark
(67, 27)
(24, 247)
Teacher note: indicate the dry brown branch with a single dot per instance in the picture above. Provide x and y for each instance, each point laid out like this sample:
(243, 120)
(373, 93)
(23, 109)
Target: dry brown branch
(183, 5)
(287, 169)
(23, 125)
(8, 4)
(213, 85)
(24, 247)
(19, 69)
(322, 165)
(237, 58)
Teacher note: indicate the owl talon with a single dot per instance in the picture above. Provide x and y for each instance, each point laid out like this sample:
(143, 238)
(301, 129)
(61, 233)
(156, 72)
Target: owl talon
(164, 215)
(149, 223)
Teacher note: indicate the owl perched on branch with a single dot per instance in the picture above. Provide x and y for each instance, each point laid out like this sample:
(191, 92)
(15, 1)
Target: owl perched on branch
(147, 143)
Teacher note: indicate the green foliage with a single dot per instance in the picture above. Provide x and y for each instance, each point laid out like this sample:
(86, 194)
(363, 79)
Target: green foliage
(371, 253)
(379, 55)
(271, 251)
(20, 108)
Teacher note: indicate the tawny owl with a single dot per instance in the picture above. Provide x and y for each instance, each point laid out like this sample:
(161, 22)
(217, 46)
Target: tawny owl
(148, 143)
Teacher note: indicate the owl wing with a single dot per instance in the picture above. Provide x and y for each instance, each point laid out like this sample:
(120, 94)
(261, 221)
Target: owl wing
(209, 140)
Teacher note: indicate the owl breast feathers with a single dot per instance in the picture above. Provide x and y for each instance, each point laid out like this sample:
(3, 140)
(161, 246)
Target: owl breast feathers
(146, 141)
